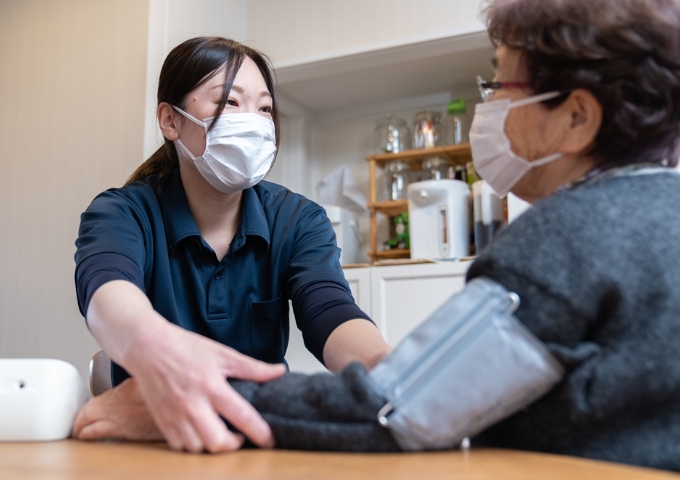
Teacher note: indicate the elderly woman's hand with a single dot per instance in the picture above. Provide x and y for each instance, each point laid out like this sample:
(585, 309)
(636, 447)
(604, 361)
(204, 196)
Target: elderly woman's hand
(119, 413)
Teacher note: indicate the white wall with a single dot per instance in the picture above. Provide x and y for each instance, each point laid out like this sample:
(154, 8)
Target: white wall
(298, 31)
(170, 23)
(71, 124)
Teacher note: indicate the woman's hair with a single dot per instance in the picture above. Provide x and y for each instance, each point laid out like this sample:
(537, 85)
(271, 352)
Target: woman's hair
(188, 66)
(625, 52)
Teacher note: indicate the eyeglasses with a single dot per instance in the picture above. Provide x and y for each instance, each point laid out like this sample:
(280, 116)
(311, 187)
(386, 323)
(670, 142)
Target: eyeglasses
(487, 89)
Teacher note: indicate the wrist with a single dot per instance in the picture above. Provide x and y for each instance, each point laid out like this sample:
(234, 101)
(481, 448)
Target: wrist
(143, 341)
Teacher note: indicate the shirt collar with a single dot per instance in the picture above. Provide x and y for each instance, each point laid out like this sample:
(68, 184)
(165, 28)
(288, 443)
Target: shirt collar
(177, 216)
(253, 219)
(180, 222)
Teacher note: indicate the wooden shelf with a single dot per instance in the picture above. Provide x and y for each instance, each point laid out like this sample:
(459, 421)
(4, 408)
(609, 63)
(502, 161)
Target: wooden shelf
(396, 253)
(455, 154)
(390, 208)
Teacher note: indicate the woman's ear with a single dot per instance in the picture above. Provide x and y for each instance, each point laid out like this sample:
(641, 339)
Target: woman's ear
(585, 119)
(168, 121)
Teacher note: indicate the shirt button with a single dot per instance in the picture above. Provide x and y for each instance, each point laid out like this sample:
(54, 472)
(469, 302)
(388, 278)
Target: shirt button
(216, 277)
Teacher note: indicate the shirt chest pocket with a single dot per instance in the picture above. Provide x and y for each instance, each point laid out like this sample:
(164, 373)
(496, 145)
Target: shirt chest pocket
(268, 330)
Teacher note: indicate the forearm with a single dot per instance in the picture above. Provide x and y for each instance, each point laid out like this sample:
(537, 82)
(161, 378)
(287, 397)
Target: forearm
(356, 340)
(123, 321)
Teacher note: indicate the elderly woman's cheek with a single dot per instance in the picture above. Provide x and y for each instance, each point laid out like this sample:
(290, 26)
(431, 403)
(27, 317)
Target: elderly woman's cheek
(518, 134)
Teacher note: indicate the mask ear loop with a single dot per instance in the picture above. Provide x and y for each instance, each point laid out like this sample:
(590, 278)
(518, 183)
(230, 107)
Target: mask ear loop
(197, 122)
(193, 119)
(534, 99)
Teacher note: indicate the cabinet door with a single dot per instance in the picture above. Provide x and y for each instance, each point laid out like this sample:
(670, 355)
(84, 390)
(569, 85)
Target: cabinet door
(298, 357)
(405, 295)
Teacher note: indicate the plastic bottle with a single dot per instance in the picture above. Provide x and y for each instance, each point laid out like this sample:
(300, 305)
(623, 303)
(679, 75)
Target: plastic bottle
(457, 123)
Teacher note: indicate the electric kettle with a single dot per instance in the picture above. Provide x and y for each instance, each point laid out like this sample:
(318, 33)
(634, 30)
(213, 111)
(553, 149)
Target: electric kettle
(439, 219)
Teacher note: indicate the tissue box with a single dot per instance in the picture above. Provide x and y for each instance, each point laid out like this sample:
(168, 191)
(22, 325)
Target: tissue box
(39, 399)
(346, 232)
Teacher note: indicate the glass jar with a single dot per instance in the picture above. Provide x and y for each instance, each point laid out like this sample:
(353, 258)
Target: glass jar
(397, 176)
(391, 135)
(457, 123)
(436, 168)
(427, 130)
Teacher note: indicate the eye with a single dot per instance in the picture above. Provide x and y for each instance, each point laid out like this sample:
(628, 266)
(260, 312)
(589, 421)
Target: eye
(232, 102)
(266, 109)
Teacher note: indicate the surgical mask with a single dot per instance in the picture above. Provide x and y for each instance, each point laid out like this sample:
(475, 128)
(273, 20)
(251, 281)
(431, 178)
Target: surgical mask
(239, 150)
(492, 155)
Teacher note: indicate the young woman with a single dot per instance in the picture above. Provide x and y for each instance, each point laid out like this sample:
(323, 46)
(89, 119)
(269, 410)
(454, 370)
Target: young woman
(184, 274)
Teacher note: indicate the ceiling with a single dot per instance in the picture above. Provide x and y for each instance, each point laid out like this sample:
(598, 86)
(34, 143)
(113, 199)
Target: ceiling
(345, 83)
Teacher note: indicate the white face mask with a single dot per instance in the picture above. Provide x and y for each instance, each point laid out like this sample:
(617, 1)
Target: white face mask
(492, 155)
(239, 150)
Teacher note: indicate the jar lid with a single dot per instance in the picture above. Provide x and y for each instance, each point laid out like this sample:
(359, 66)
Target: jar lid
(457, 106)
(427, 116)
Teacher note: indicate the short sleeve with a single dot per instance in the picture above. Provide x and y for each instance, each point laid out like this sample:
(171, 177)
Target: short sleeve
(314, 253)
(113, 223)
(319, 309)
(95, 271)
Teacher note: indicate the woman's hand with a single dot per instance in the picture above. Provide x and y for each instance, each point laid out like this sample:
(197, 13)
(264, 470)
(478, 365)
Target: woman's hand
(182, 378)
(181, 375)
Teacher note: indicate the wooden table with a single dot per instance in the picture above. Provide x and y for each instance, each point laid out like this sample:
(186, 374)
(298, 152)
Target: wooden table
(71, 459)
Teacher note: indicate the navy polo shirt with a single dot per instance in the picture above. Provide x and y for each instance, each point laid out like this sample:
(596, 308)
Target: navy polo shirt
(284, 249)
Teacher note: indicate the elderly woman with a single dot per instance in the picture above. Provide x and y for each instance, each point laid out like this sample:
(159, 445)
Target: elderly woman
(583, 120)
(596, 261)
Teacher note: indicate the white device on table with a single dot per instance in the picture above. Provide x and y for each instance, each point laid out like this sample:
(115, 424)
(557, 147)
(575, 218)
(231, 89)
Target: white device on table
(39, 399)
(439, 219)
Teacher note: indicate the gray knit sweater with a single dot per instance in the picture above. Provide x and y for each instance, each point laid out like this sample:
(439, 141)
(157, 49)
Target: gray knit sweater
(597, 268)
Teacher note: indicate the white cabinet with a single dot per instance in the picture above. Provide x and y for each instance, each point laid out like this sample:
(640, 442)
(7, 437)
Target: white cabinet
(397, 298)
(403, 296)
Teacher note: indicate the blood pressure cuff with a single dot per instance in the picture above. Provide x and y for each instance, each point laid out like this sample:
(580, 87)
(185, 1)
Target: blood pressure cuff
(466, 367)
(469, 365)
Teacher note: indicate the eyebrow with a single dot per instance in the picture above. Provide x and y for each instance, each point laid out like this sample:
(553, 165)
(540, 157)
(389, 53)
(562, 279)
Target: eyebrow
(239, 89)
